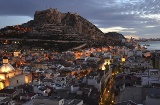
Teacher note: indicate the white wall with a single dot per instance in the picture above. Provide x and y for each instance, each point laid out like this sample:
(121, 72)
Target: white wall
(138, 53)
(17, 80)
(130, 53)
(74, 89)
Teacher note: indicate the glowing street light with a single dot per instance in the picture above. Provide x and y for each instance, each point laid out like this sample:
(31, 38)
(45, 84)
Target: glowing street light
(123, 59)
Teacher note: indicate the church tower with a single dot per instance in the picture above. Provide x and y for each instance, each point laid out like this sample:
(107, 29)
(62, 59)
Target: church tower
(5, 60)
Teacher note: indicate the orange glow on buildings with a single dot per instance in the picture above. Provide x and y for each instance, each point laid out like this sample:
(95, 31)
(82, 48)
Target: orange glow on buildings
(123, 59)
(12, 77)
(1, 85)
(26, 79)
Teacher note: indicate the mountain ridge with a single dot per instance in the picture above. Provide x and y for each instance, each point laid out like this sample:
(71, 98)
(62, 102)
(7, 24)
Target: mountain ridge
(53, 25)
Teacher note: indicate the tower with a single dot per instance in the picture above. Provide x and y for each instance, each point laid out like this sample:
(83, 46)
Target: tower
(5, 60)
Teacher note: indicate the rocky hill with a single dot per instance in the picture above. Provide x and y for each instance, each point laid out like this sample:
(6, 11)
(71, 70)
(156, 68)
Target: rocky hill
(60, 29)
(114, 38)
(53, 23)
(115, 35)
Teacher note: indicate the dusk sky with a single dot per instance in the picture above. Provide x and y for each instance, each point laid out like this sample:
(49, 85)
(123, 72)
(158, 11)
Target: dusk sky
(139, 18)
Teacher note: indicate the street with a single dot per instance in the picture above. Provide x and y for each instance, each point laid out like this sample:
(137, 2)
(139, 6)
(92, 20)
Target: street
(107, 97)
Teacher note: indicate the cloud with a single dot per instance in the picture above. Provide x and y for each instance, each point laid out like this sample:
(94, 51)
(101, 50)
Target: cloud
(125, 16)
(150, 26)
(117, 29)
(152, 16)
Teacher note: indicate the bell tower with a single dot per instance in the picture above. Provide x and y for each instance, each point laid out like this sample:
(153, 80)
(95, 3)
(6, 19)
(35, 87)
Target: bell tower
(5, 60)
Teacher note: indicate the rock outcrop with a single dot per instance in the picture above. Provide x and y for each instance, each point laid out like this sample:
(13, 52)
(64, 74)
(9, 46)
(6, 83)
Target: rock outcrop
(78, 23)
(49, 16)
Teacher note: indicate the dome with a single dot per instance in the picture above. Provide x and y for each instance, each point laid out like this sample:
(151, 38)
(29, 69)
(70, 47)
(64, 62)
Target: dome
(6, 68)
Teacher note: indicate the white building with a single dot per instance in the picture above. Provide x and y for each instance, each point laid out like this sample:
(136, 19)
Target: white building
(138, 53)
(152, 100)
(55, 101)
(61, 80)
(150, 76)
(130, 53)
(137, 63)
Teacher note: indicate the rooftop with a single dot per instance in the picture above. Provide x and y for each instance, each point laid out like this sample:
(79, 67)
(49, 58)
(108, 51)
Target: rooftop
(7, 91)
(126, 103)
(72, 102)
(49, 98)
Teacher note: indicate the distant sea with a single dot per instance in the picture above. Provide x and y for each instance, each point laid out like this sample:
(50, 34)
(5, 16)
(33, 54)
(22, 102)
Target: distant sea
(153, 45)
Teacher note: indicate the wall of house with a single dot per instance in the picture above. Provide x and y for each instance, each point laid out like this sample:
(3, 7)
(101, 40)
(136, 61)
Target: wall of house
(61, 80)
(17, 80)
(138, 53)
(130, 53)
(45, 66)
(130, 93)
(2, 76)
(91, 81)
(1, 85)
(74, 89)
(144, 81)
(48, 102)
(10, 75)
(5, 95)
(80, 103)
(37, 90)
(39, 66)
(97, 85)
(28, 78)
(152, 101)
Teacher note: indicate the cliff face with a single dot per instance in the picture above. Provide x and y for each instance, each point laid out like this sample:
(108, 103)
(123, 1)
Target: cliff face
(76, 22)
(50, 16)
